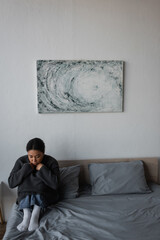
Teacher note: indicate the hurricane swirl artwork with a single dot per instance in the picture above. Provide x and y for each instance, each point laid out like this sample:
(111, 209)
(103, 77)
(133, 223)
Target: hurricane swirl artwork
(67, 86)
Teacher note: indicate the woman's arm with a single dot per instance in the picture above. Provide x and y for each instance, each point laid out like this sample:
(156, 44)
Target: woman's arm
(50, 176)
(18, 173)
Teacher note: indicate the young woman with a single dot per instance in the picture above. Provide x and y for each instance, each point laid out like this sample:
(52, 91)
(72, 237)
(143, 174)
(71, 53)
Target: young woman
(37, 178)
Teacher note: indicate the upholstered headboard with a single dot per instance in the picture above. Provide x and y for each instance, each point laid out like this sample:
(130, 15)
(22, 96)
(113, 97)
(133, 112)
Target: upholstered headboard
(150, 166)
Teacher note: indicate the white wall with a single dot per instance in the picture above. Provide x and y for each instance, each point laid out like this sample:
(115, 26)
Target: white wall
(71, 29)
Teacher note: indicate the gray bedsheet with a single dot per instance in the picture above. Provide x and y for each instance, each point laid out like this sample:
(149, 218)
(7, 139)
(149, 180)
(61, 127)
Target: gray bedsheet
(114, 217)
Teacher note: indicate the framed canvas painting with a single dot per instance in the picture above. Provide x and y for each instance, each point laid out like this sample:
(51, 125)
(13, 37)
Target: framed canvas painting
(68, 86)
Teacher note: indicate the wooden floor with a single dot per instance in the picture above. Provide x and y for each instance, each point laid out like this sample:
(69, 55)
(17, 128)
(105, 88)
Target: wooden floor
(2, 230)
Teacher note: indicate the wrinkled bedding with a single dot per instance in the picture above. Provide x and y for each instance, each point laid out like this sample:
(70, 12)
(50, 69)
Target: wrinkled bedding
(112, 217)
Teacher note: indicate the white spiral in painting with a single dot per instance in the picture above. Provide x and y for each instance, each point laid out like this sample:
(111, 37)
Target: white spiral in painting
(79, 86)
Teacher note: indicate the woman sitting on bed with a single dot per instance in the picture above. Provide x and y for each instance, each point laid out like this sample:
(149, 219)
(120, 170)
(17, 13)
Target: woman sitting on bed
(37, 178)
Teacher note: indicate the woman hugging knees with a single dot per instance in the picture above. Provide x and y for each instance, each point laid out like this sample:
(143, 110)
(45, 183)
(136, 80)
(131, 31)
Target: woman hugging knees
(37, 177)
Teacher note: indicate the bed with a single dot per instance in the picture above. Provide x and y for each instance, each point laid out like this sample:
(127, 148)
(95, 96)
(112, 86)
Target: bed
(90, 212)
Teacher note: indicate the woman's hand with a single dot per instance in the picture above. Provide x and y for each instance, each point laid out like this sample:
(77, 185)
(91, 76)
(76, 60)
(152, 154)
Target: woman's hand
(38, 167)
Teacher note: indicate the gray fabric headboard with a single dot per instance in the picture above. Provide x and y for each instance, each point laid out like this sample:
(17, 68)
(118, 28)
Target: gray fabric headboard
(151, 166)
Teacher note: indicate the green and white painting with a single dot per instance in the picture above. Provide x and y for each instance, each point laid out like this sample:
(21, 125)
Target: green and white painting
(68, 86)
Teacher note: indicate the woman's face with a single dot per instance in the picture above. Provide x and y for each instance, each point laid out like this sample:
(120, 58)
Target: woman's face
(35, 156)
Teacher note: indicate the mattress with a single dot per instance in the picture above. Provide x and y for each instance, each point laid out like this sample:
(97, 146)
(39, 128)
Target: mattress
(109, 217)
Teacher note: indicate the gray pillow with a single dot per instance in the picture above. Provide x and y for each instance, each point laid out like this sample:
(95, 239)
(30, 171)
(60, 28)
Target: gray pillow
(118, 178)
(69, 182)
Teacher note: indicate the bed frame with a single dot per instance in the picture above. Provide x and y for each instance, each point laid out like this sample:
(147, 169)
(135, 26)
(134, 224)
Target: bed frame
(150, 165)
